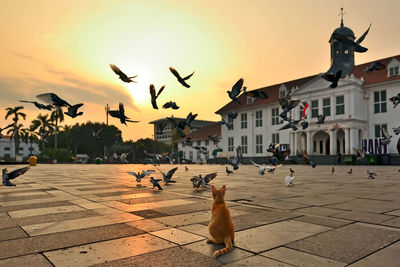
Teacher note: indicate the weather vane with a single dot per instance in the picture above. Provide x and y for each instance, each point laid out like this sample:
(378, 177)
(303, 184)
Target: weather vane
(341, 14)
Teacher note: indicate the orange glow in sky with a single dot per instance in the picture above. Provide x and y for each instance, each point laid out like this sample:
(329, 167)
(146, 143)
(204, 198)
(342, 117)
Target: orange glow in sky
(66, 47)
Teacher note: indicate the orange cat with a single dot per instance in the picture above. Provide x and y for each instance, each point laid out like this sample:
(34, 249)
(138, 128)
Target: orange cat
(221, 226)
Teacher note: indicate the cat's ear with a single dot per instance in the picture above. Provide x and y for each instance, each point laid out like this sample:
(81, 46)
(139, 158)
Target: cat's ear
(213, 190)
(223, 189)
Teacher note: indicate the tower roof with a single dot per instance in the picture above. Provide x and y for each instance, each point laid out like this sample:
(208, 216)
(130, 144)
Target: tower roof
(342, 30)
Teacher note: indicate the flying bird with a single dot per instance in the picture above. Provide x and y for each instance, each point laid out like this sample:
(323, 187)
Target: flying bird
(53, 99)
(236, 89)
(396, 130)
(356, 44)
(96, 135)
(386, 138)
(179, 78)
(202, 149)
(140, 175)
(120, 114)
(228, 125)
(371, 175)
(334, 79)
(5, 128)
(188, 141)
(73, 111)
(359, 153)
(258, 94)
(263, 167)
(189, 119)
(233, 114)
(291, 170)
(155, 183)
(395, 100)
(38, 105)
(307, 159)
(7, 176)
(167, 177)
(304, 125)
(154, 96)
(216, 138)
(375, 66)
(160, 128)
(321, 119)
(122, 75)
(170, 104)
(228, 171)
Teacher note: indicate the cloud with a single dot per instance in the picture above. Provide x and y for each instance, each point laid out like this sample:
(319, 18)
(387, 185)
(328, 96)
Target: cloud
(54, 40)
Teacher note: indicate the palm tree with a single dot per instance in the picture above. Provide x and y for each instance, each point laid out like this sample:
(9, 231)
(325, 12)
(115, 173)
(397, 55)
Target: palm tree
(17, 128)
(29, 137)
(44, 125)
(56, 116)
(16, 133)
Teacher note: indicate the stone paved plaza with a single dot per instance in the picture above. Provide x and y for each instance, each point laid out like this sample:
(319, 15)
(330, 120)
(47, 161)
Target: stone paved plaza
(82, 215)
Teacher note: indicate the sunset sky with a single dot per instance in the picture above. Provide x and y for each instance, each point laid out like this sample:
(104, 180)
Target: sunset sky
(65, 47)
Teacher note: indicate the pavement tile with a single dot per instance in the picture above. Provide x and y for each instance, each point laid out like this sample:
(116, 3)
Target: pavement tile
(19, 202)
(348, 243)
(298, 258)
(324, 221)
(265, 237)
(25, 261)
(148, 225)
(38, 205)
(69, 225)
(320, 200)
(11, 233)
(285, 205)
(198, 229)
(394, 212)
(193, 207)
(177, 236)
(146, 206)
(257, 261)
(208, 250)
(369, 205)
(388, 256)
(23, 246)
(107, 250)
(393, 222)
(170, 257)
(363, 216)
(320, 211)
(148, 214)
(43, 211)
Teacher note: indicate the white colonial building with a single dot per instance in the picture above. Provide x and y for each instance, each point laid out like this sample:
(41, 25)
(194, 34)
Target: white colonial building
(355, 110)
(200, 137)
(7, 148)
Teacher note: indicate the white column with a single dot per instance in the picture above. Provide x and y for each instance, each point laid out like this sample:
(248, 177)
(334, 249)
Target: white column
(353, 132)
(308, 142)
(294, 143)
(332, 142)
(297, 138)
(347, 141)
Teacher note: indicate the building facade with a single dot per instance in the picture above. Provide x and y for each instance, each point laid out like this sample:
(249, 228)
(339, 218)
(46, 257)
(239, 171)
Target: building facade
(7, 148)
(166, 135)
(356, 111)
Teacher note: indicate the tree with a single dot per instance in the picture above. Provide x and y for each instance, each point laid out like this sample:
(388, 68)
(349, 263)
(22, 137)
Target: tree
(29, 137)
(56, 116)
(43, 125)
(17, 128)
(16, 133)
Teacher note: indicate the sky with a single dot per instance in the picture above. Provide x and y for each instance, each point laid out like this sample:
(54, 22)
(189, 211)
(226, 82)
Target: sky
(66, 46)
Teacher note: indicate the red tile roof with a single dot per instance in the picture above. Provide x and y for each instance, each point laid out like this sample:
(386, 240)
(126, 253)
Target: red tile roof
(204, 132)
(273, 90)
(375, 76)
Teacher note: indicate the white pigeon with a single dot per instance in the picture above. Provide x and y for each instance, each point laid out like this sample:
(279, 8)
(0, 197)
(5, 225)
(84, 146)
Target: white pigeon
(289, 180)
(264, 167)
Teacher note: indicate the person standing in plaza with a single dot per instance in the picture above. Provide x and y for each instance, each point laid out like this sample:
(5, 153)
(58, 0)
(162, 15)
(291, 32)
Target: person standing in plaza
(339, 158)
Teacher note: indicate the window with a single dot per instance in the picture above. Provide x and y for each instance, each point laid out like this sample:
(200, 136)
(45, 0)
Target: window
(206, 142)
(184, 154)
(394, 71)
(326, 106)
(183, 144)
(250, 100)
(314, 109)
(259, 118)
(340, 105)
(282, 94)
(244, 120)
(244, 144)
(378, 127)
(231, 146)
(230, 121)
(198, 154)
(275, 116)
(259, 144)
(198, 143)
(380, 101)
(191, 155)
(275, 138)
(6, 149)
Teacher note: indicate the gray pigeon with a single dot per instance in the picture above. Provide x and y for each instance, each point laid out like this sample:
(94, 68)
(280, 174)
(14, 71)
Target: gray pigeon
(167, 177)
(122, 75)
(120, 114)
(154, 96)
(7, 176)
(395, 100)
(334, 79)
(53, 99)
(170, 104)
(38, 105)
(179, 78)
(321, 119)
(236, 89)
(155, 183)
(375, 66)
(371, 175)
(73, 111)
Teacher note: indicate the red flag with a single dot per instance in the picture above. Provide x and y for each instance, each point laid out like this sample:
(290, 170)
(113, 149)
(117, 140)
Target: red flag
(304, 111)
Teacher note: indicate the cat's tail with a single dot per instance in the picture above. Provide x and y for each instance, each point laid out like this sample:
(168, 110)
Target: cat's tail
(228, 244)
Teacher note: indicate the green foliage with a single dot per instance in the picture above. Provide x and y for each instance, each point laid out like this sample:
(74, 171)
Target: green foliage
(61, 155)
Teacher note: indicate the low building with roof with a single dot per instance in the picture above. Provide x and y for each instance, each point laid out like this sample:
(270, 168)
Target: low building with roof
(201, 138)
(7, 148)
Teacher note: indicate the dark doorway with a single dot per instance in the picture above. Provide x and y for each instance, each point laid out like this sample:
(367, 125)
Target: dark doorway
(327, 147)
